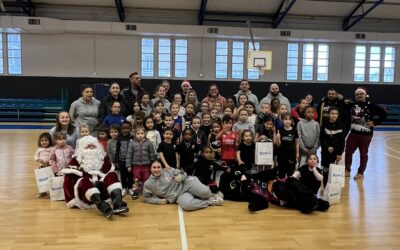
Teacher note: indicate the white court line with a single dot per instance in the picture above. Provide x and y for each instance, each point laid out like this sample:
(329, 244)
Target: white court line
(182, 229)
(390, 148)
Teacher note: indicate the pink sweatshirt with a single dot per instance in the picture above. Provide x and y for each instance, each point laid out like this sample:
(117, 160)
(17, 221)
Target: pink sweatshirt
(60, 157)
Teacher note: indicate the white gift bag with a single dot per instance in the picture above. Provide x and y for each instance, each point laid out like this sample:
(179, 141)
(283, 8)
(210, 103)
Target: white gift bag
(56, 188)
(43, 176)
(336, 174)
(264, 154)
(332, 193)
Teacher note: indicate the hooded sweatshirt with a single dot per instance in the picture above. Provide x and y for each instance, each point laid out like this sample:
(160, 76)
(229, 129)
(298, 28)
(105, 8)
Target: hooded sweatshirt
(82, 112)
(163, 187)
(282, 99)
(308, 135)
(250, 96)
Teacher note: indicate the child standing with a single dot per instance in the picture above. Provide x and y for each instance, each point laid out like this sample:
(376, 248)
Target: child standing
(178, 100)
(84, 130)
(332, 138)
(167, 149)
(189, 113)
(264, 111)
(43, 152)
(145, 104)
(152, 134)
(187, 151)
(288, 147)
(246, 151)
(158, 122)
(179, 122)
(204, 109)
(169, 123)
(199, 136)
(61, 154)
(228, 111)
(138, 159)
(135, 110)
(308, 130)
(228, 141)
(115, 117)
(112, 144)
(102, 136)
(242, 123)
(266, 133)
(120, 156)
(206, 125)
(213, 142)
(251, 112)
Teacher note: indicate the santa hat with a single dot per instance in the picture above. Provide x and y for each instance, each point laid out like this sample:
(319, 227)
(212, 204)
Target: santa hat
(361, 90)
(186, 82)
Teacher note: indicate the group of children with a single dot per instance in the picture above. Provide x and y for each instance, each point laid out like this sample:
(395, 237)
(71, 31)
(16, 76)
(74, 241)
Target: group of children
(200, 139)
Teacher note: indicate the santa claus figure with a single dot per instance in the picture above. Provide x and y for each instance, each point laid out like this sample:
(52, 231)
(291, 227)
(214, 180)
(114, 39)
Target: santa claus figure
(90, 180)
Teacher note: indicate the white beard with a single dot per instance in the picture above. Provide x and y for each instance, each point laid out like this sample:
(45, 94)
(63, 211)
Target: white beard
(91, 159)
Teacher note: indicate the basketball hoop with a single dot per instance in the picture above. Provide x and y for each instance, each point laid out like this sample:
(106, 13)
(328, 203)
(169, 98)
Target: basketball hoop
(261, 60)
(261, 70)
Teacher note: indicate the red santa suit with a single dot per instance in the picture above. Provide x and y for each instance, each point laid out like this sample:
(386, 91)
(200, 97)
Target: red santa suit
(90, 177)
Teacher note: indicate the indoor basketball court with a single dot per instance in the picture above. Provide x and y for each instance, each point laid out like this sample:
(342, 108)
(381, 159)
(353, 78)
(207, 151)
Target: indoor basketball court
(51, 49)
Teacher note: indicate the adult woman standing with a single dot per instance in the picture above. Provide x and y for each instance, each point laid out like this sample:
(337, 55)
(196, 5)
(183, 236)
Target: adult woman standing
(64, 125)
(85, 109)
(113, 95)
(185, 87)
(191, 97)
(214, 96)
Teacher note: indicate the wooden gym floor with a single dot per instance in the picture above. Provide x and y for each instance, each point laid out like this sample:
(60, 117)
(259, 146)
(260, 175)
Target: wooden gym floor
(368, 216)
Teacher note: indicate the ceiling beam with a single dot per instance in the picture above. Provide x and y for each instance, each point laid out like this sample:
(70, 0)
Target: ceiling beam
(120, 9)
(27, 6)
(2, 7)
(354, 18)
(282, 12)
(202, 12)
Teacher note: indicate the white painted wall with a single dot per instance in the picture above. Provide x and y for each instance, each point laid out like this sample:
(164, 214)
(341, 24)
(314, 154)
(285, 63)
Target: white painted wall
(102, 53)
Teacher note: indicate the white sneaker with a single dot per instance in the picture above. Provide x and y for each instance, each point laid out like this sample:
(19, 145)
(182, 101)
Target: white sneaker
(123, 192)
(219, 194)
(130, 191)
(215, 201)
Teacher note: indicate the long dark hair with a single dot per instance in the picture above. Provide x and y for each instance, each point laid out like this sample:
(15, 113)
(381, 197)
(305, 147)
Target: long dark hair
(47, 136)
(71, 128)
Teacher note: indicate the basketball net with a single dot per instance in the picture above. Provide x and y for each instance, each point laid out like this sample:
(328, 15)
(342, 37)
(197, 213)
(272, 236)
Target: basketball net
(261, 70)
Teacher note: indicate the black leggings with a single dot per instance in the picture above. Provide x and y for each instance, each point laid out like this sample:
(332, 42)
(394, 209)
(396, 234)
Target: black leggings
(126, 176)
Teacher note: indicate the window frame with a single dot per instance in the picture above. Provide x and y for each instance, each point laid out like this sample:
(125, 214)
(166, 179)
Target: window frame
(10, 58)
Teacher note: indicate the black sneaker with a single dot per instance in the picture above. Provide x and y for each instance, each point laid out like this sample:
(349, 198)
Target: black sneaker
(121, 210)
(135, 195)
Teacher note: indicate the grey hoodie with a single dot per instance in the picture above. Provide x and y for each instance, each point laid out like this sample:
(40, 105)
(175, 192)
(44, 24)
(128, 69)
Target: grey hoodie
(163, 187)
(82, 112)
(252, 97)
(308, 135)
(281, 98)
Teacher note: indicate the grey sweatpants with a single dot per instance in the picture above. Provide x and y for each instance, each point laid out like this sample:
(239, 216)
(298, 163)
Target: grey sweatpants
(194, 195)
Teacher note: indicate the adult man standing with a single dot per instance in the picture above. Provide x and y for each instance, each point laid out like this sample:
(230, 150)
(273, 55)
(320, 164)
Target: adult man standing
(90, 179)
(364, 117)
(133, 91)
(332, 99)
(274, 92)
(245, 90)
